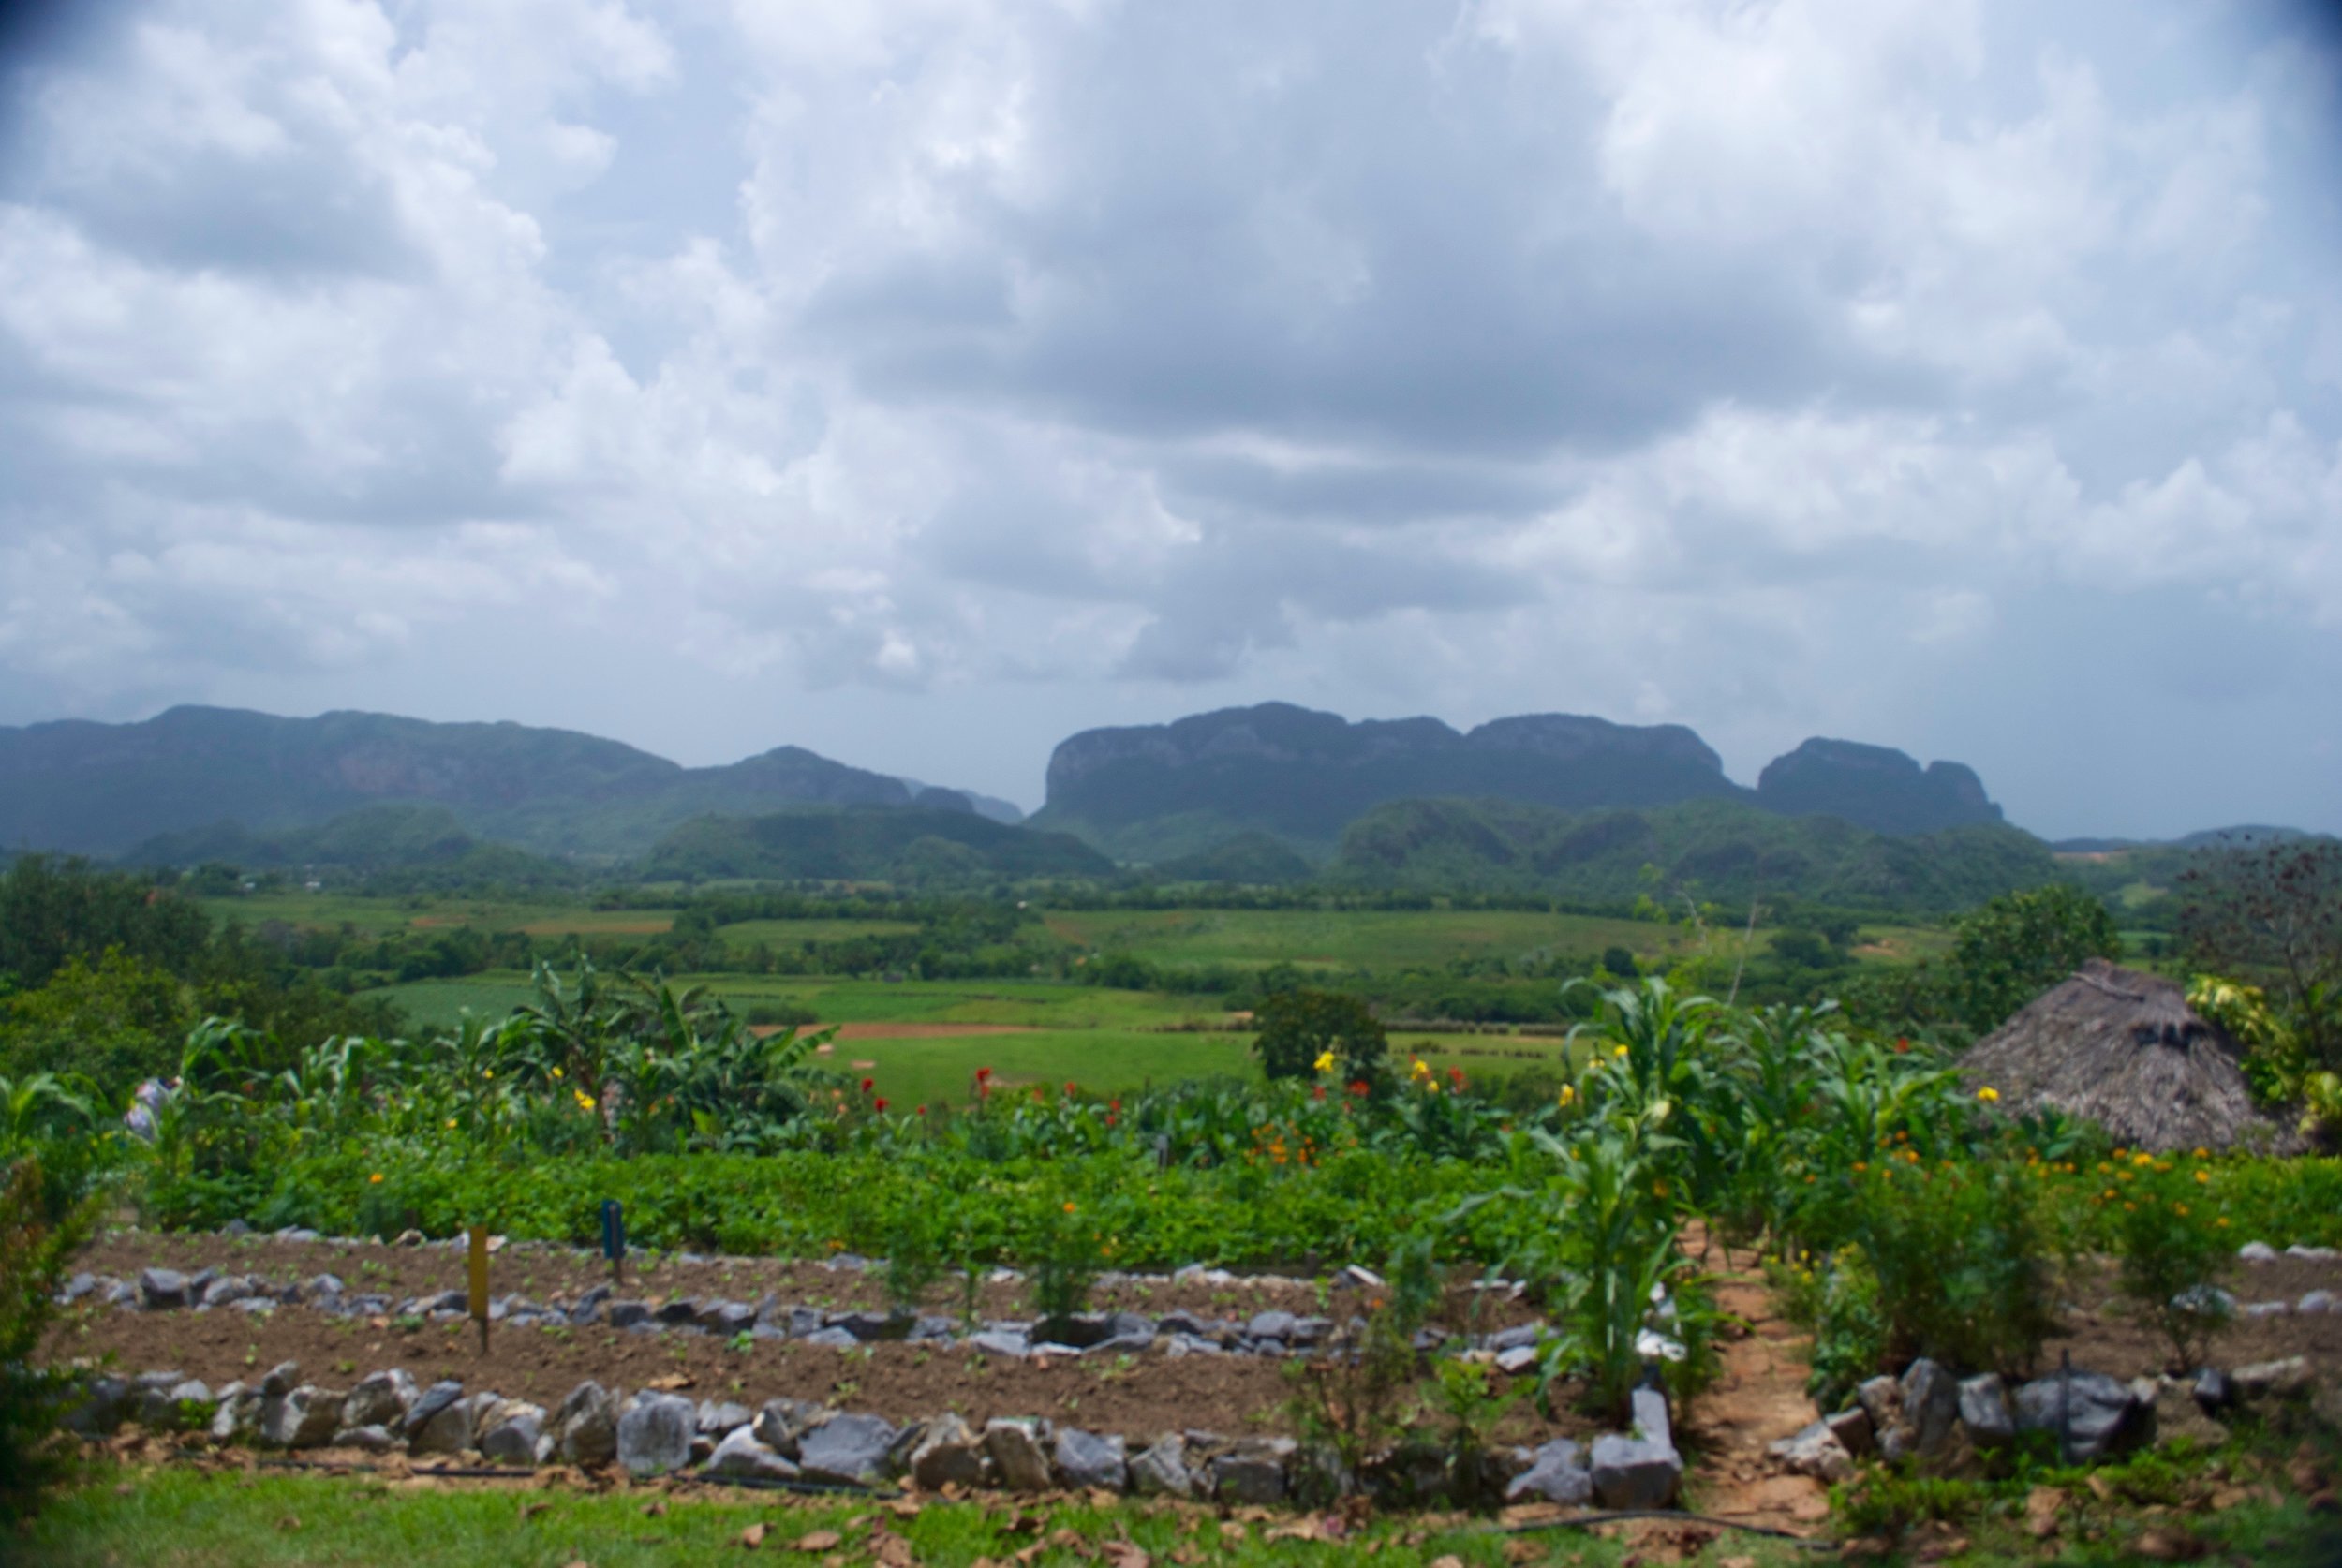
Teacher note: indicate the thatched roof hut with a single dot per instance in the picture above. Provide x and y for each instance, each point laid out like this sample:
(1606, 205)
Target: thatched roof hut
(2124, 1050)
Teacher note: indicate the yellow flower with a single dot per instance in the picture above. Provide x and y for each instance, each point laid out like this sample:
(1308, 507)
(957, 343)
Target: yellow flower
(556, 1074)
(487, 1072)
(376, 1178)
(450, 1122)
(1326, 1062)
(1068, 1208)
(1617, 1050)
(2203, 1175)
(1569, 1094)
(1988, 1094)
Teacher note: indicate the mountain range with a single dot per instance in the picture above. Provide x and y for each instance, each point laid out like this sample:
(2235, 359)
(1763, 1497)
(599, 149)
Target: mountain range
(105, 789)
(1157, 791)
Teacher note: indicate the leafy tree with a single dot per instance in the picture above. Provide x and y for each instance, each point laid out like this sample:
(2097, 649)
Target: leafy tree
(2019, 944)
(117, 1019)
(2274, 915)
(1299, 1028)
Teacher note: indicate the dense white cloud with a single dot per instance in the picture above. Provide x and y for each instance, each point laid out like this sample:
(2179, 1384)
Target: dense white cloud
(1881, 367)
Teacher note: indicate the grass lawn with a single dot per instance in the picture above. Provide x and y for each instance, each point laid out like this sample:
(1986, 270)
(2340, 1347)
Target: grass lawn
(186, 1518)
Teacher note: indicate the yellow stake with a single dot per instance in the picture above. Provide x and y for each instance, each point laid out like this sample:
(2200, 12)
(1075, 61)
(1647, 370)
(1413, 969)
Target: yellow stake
(480, 1282)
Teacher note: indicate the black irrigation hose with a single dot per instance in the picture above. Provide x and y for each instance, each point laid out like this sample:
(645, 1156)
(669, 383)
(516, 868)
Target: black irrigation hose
(507, 1473)
(1588, 1521)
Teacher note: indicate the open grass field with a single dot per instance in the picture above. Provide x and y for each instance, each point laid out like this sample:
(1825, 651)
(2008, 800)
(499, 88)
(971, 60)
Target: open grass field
(1104, 1039)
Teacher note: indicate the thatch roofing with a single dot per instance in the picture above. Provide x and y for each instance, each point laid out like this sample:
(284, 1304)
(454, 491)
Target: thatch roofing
(2124, 1050)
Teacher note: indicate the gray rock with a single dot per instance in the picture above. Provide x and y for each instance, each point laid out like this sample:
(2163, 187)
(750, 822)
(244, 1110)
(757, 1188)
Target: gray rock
(367, 1440)
(874, 1328)
(804, 1322)
(2265, 1309)
(1085, 1459)
(1270, 1325)
(2262, 1381)
(324, 1288)
(77, 1287)
(782, 1423)
(98, 1410)
(2315, 1255)
(626, 1314)
(1984, 1412)
(586, 1427)
(836, 1338)
(1254, 1472)
(654, 1432)
(2318, 1301)
(510, 1432)
(717, 1420)
(1629, 1473)
(429, 1405)
(1815, 1451)
(1648, 1417)
(742, 1458)
(1017, 1457)
(1517, 1359)
(1160, 1469)
(380, 1399)
(2215, 1391)
(729, 1318)
(1123, 1344)
(281, 1378)
(1852, 1427)
(162, 1289)
(846, 1448)
(2098, 1416)
(237, 1415)
(157, 1403)
(676, 1312)
(450, 1428)
(2257, 1252)
(226, 1290)
(303, 1417)
(1931, 1405)
(1518, 1336)
(1881, 1399)
(1001, 1342)
(949, 1453)
(1556, 1473)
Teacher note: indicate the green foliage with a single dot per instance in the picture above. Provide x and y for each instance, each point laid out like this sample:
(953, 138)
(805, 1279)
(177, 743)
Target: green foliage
(2019, 944)
(2272, 916)
(1961, 1255)
(1300, 1028)
(35, 1242)
(1062, 1254)
(916, 844)
(1712, 850)
(2172, 1249)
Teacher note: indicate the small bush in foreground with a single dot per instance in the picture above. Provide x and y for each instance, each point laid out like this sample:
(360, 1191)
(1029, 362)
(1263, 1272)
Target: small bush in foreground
(34, 1248)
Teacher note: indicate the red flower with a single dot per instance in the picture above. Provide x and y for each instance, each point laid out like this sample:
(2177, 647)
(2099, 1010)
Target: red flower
(1359, 1089)
(983, 1073)
(1114, 1104)
(1068, 1086)
(1455, 1075)
(923, 1110)
(1318, 1093)
(1902, 1047)
(880, 1106)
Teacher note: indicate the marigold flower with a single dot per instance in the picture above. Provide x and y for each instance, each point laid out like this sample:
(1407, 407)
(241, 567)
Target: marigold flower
(376, 1178)
(1988, 1094)
(1862, 1165)
(1325, 1062)
(1617, 1050)
(1068, 1208)
(1569, 1094)
(2203, 1175)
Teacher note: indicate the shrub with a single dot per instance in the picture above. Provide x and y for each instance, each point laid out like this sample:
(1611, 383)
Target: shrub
(1961, 1258)
(34, 1248)
(2172, 1248)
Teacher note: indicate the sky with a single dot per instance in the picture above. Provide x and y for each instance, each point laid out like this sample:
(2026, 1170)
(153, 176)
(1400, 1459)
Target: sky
(923, 380)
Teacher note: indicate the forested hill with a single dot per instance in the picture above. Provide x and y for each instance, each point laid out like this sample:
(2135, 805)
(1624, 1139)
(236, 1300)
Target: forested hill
(905, 845)
(1727, 851)
(1162, 791)
(101, 788)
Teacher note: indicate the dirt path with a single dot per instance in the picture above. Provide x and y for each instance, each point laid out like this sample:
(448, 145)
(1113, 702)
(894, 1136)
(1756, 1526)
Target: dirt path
(1759, 1399)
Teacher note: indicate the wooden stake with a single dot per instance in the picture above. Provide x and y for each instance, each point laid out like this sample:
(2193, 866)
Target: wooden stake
(480, 1282)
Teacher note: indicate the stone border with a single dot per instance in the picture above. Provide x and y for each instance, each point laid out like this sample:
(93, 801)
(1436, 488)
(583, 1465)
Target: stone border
(793, 1440)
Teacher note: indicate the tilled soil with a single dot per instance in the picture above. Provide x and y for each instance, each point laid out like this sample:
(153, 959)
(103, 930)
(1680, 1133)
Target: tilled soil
(553, 1275)
(2108, 1338)
(1139, 1396)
